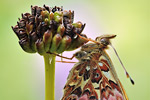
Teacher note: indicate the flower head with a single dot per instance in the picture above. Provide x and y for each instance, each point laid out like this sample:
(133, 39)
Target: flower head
(48, 29)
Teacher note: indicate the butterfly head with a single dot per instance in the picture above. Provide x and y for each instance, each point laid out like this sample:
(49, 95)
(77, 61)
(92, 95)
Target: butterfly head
(105, 39)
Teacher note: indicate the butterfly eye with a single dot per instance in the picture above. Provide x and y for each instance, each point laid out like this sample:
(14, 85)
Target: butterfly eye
(104, 41)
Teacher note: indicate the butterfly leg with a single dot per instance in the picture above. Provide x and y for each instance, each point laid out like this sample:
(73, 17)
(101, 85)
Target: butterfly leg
(65, 61)
(88, 39)
(63, 57)
(62, 61)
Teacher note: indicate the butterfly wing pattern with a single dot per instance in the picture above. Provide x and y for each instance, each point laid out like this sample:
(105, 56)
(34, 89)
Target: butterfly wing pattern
(93, 77)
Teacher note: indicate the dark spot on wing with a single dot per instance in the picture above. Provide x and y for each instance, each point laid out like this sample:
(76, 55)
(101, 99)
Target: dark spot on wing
(77, 91)
(92, 98)
(86, 75)
(87, 91)
(97, 76)
(114, 85)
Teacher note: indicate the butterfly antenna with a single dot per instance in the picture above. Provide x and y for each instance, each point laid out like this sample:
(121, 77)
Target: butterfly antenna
(128, 76)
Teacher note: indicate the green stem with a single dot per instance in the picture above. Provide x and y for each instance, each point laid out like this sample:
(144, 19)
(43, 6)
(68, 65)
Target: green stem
(49, 77)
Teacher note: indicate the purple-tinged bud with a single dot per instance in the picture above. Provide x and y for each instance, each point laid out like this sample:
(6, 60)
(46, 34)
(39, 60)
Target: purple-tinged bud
(66, 41)
(25, 44)
(25, 16)
(66, 21)
(55, 43)
(40, 46)
(77, 43)
(38, 30)
(29, 28)
(69, 29)
(33, 38)
(38, 11)
(31, 19)
(21, 23)
(33, 10)
(47, 39)
(16, 29)
(61, 29)
(68, 17)
(22, 34)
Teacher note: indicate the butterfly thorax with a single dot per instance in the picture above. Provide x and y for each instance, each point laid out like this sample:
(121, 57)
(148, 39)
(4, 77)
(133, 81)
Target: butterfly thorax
(91, 51)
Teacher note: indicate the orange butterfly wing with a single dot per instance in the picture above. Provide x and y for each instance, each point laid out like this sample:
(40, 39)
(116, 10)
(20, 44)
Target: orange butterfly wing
(94, 80)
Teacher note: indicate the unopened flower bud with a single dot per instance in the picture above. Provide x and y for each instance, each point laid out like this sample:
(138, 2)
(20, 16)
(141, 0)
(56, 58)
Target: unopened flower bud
(55, 43)
(45, 14)
(64, 44)
(47, 38)
(25, 44)
(31, 19)
(46, 20)
(16, 29)
(69, 29)
(51, 16)
(29, 28)
(77, 43)
(21, 23)
(33, 38)
(77, 25)
(40, 46)
(58, 17)
(61, 29)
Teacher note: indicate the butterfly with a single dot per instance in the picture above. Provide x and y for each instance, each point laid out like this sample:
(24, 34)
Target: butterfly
(94, 76)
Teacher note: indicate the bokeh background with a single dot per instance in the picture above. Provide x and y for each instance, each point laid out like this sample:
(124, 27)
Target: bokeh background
(22, 74)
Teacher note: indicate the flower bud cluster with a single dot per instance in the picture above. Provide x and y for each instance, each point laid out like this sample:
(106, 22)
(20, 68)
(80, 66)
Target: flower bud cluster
(48, 29)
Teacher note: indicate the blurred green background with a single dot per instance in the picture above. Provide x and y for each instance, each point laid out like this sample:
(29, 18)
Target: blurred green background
(22, 74)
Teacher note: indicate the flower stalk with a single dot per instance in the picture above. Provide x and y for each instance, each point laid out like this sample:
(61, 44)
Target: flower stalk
(49, 76)
(49, 30)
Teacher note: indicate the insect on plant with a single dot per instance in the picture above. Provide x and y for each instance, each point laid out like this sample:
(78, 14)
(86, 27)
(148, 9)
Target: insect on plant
(94, 76)
(51, 31)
